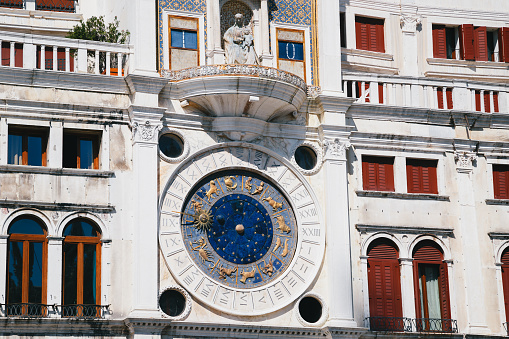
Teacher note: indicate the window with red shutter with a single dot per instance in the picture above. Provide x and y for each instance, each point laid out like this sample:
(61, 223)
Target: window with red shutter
(503, 43)
(439, 42)
(430, 276)
(384, 286)
(501, 181)
(487, 102)
(466, 33)
(378, 173)
(370, 34)
(421, 176)
(448, 95)
(505, 281)
(480, 44)
(478, 101)
(6, 54)
(495, 102)
(380, 93)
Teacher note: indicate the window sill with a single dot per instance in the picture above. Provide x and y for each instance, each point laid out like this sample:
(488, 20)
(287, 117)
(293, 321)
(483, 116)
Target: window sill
(497, 202)
(55, 171)
(405, 196)
(467, 63)
(368, 54)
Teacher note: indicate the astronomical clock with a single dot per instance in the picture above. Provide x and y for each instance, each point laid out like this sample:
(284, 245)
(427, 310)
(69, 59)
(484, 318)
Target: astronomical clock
(240, 230)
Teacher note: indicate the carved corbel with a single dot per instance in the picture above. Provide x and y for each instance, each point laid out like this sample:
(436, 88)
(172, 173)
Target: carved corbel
(146, 132)
(465, 160)
(409, 23)
(336, 148)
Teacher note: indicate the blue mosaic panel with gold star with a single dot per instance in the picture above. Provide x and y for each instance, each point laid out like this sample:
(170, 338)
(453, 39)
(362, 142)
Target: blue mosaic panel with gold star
(239, 229)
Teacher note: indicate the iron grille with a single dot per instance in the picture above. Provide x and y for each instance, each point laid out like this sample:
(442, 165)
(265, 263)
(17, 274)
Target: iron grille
(12, 3)
(26, 310)
(389, 324)
(436, 325)
(83, 311)
(55, 5)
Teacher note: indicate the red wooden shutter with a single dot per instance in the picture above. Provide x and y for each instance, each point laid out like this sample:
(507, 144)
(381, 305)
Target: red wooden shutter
(368, 175)
(444, 293)
(439, 44)
(478, 101)
(378, 173)
(361, 32)
(422, 176)
(373, 35)
(380, 93)
(18, 55)
(501, 181)
(505, 284)
(481, 44)
(487, 103)
(448, 95)
(495, 102)
(467, 42)
(440, 97)
(5, 54)
(428, 250)
(380, 36)
(503, 41)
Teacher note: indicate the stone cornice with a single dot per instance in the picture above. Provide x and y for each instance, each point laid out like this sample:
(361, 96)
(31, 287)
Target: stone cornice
(145, 84)
(56, 171)
(365, 228)
(67, 327)
(404, 196)
(54, 206)
(63, 80)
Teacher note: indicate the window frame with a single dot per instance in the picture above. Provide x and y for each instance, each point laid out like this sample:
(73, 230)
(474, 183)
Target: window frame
(303, 42)
(197, 30)
(378, 24)
(92, 135)
(365, 172)
(496, 181)
(432, 177)
(25, 132)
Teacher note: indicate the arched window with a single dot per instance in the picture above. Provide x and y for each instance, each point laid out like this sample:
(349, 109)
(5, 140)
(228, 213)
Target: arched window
(384, 286)
(81, 269)
(431, 288)
(505, 281)
(26, 267)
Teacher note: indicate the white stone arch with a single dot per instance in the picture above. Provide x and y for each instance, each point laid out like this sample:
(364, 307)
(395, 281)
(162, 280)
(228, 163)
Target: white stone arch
(498, 254)
(26, 211)
(105, 234)
(438, 241)
(381, 235)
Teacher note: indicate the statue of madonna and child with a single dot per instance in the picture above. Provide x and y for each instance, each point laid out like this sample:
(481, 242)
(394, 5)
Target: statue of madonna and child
(238, 43)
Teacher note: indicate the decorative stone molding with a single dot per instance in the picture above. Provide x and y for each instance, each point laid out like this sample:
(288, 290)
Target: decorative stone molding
(185, 142)
(314, 91)
(465, 160)
(336, 148)
(187, 309)
(319, 157)
(325, 310)
(409, 23)
(245, 70)
(146, 132)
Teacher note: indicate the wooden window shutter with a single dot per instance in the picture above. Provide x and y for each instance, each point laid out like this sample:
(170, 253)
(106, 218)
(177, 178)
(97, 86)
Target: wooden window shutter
(380, 36)
(369, 176)
(361, 32)
(380, 93)
(467, 42)
(422, 176)
(439, 42)
(503, 41)
(378, 173)
(440, 97)
(478, 101)
(444, 293)
(428, 250)
(448, 95)
(505, 284)
(501, 181)
(495, 102)
(487, 102)
(481, 44)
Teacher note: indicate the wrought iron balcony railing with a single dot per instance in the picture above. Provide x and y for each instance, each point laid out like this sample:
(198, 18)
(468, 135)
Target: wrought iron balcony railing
(55, 5)
(30, 310)
(12, 3)
(83, 311)
(389, 324)
(26, 310)
(401, 324)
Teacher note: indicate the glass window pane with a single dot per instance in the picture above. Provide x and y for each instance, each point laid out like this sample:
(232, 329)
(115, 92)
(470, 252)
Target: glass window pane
(35, 273)
(70, 274)
(184, 39)
(81, 228)
(86, 154)
(26, 226)
(15, 152)
(15, 272)
(89, 274)
(291, 50)
(34, 151)
(70, 159)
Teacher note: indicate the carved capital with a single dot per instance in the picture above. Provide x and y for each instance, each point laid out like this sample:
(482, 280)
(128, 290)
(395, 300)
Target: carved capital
(146, 132)
(465, 160)
(336, 148)
(409, 23)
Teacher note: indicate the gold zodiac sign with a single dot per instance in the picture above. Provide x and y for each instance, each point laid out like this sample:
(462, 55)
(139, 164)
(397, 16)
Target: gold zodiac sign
(285, 249)
(212, 190)
(278, 244)
(258, 189)
(228, 181)
(223, 272)
(248, 184)
(196, 205)
(268, 269)
(283, 227)
(275, 205)
(202, 253)
(247, 275)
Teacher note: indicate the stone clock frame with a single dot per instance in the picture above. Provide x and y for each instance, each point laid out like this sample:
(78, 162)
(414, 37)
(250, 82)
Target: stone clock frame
(310, 248)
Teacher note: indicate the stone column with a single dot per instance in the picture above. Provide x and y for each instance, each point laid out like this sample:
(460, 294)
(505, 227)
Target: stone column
(54, 280)
(3, 267)
(142, 21)
(409, 65)
(145, 245)
(338, 254)
(407, 287)
(468, 231)
(55, 144)
(265, 57)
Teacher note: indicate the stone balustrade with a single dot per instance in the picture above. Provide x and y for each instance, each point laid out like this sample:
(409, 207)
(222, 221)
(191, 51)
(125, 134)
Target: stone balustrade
(431, 93)
(62, 54)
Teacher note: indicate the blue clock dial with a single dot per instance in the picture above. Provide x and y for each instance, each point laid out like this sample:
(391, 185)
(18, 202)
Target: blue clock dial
(239, 228)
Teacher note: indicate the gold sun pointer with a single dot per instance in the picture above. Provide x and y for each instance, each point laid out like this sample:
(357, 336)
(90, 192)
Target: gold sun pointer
(202, 219)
